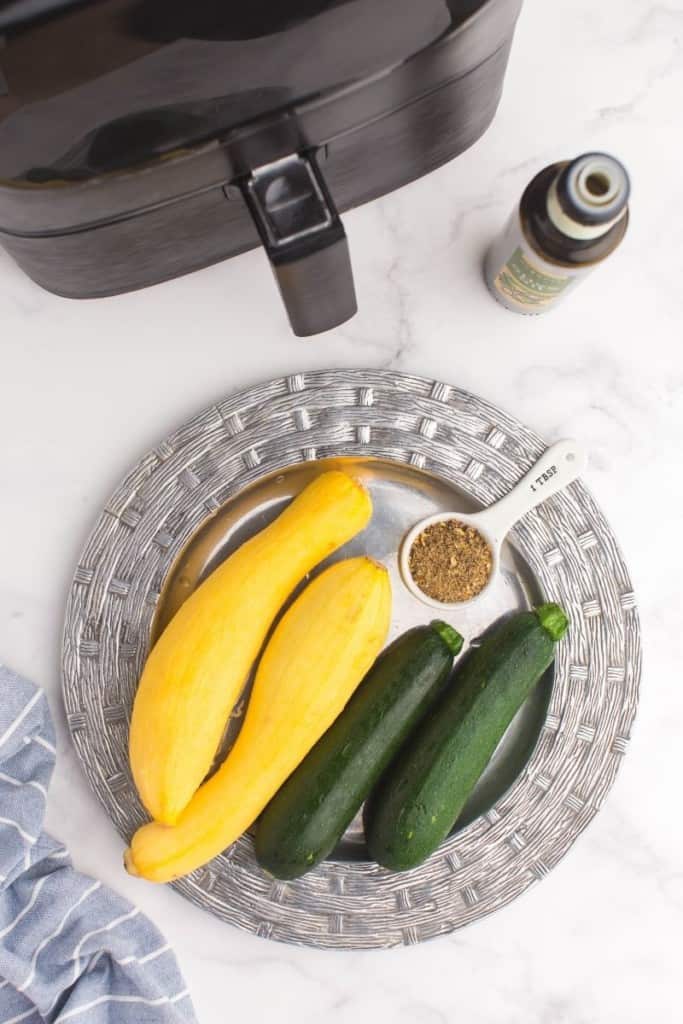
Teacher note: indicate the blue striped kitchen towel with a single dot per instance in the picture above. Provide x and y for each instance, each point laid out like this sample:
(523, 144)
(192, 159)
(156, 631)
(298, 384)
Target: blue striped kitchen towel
(70, 949)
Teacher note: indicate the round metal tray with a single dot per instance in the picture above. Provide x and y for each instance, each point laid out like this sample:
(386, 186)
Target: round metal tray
(421, 447)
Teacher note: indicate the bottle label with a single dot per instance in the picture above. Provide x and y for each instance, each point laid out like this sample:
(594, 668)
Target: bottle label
(520, 278)
(525, 284)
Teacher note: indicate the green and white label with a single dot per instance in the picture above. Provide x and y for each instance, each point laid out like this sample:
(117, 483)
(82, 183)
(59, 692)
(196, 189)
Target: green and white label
(526, 285)
(520, 278)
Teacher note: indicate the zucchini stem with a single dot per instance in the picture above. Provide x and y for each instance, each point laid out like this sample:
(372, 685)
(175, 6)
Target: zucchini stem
(553, 619)
(450, 636)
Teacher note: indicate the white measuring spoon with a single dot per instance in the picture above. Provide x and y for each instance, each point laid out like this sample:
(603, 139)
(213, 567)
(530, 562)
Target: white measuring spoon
(558, 467)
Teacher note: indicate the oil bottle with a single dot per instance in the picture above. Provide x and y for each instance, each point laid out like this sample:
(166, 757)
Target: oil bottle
(571, 217)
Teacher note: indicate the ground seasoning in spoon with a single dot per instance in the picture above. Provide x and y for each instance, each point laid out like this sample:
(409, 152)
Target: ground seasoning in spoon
(450, 561)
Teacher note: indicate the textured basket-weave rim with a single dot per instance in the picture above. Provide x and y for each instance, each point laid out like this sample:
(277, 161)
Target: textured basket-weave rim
(465, 440)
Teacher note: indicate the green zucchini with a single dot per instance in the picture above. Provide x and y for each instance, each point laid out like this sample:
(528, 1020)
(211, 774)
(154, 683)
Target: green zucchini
(419, 799)
(308, 815)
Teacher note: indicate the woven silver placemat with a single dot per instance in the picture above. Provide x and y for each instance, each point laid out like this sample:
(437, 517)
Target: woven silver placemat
(465, 440)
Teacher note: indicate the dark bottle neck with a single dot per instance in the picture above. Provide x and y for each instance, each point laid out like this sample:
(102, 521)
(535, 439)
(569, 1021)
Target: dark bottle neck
(553, 244)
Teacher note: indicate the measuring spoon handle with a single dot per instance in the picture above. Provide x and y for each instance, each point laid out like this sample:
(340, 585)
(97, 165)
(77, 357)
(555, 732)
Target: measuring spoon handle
(559, 466)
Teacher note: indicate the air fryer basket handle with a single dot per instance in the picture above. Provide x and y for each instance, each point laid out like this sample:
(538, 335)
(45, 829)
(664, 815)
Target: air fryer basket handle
(305, 242)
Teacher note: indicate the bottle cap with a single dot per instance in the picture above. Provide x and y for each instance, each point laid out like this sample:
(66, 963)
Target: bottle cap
(591, 193)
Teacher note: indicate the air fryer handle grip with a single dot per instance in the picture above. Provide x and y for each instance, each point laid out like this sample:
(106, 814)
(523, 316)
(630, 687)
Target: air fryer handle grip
(316, 282)
(305, 242)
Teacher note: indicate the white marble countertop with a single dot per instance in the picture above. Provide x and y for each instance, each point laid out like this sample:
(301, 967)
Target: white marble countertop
(87, 387)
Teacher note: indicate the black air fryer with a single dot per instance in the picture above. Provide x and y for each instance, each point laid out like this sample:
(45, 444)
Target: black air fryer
(142, 139)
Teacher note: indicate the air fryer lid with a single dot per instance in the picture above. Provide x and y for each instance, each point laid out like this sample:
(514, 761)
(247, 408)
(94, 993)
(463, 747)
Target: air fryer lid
(181, 88)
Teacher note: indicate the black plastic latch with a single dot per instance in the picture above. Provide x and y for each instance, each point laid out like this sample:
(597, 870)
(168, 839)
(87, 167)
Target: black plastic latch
(305, 241)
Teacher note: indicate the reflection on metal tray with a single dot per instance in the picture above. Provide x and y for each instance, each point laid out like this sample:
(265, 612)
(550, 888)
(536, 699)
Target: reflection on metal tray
(401, 495)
